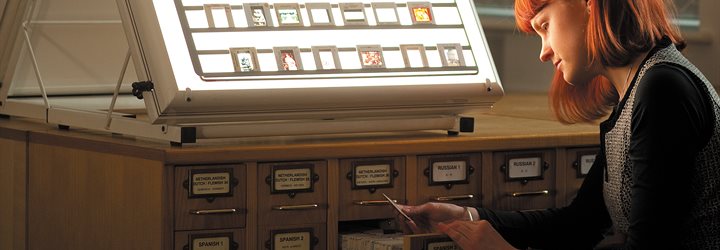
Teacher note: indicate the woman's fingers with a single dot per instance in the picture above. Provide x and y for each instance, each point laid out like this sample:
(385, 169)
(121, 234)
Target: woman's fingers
(417, 225)
(414, 227)
(457, 233)
(474, 235)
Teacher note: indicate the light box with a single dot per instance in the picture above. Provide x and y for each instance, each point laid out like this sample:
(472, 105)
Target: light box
(191, 64)
(201, 63)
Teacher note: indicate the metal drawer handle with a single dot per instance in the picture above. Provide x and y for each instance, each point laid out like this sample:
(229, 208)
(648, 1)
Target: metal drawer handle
(214, 211)
(296, 207)
(542, 192)
(373, 203)
(454, 197)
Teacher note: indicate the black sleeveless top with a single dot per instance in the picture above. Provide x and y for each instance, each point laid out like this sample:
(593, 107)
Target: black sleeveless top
(657, 178)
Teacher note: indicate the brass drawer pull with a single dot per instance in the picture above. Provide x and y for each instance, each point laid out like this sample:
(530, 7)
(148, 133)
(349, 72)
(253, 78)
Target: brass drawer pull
(373, 203)
(454, 197)
(214, 211)
(542, 192)
(296, 207)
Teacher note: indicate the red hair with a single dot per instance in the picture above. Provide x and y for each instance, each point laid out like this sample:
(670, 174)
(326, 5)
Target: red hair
(617, 31)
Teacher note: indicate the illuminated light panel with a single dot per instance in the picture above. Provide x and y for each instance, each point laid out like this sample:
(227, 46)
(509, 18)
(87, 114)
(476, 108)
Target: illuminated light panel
(212, 67)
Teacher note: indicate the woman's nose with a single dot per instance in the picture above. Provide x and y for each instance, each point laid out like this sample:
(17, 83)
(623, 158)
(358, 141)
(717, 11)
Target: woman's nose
(546, 53)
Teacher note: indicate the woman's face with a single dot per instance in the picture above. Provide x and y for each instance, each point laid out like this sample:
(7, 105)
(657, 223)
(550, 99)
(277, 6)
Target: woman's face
(561, 25)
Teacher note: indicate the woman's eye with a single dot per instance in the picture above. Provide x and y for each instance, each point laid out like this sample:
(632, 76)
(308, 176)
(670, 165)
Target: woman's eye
(544, 26)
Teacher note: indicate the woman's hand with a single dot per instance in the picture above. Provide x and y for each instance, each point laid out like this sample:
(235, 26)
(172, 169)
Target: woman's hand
(428, 215)
(474, 235)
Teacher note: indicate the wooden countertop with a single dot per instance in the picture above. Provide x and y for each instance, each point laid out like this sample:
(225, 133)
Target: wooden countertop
(516, 122)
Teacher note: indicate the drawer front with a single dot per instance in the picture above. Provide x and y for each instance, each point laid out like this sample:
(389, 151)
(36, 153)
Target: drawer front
(524, 180)
(362, 183)
(579, 161)
(295, 237)
(292, 192)
(454, 178)
(210, 197)
(210, 240)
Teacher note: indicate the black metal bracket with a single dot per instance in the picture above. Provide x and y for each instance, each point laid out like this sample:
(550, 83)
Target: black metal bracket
(188, 135)
(139, 87)
(467, 124)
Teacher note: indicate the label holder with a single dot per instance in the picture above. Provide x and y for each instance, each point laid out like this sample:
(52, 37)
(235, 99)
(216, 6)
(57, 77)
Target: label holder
(577, 164)
(428, 172)
(229, 235)
(428, 243)
(394, 173)
(314, 177)
(270, 243)
(524, 180)
(188, 184)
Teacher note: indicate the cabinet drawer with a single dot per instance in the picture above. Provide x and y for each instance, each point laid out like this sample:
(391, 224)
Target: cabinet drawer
(292, 192)
(210, 197)
(210, 239)
(454, 178)
(524, 179)
(362, 183)
(579, 161)
(300, 237)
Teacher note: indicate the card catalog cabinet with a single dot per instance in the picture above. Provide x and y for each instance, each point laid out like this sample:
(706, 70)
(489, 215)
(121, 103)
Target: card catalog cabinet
(277, 193)
(453, 178)
(524, 179)
(231, 239)
(210, 197)
(292, 192)
(308, 236)
(362, 183)
(579, 161)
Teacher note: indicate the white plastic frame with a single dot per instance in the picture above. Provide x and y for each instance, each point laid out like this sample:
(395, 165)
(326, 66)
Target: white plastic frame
(253, 56)
(362, 55)
(279, 7)
(265, 9)
(405, 48)
(353, 7)
(320, 6)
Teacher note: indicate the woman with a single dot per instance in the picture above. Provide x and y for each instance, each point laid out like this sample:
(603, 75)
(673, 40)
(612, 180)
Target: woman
(657, 177)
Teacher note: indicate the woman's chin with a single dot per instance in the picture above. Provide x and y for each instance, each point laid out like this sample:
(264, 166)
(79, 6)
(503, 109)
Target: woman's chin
(576, 81)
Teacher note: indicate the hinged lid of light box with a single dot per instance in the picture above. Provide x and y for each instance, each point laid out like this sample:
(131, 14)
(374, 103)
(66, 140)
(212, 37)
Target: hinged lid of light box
(219, 62)
(248, 60)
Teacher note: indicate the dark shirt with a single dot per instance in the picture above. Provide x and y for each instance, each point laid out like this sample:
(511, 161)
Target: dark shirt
(672, 121)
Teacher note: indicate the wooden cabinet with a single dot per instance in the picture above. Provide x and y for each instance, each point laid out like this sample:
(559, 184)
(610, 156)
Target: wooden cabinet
(278, 237)
(578, 162)
(96, 198)
(524, 179)
(210, 197)
(124, 193)
(13, 170)
(362, 183)
(292, 193)
(453, 178)
(230, 239)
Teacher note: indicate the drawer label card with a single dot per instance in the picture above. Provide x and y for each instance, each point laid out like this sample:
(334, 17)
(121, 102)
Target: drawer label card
(211, 242)
(292, 241)
(373, 175)
(524, 167)
(292, 179)
(586, 161)
(210, 183)
(449, 171)
(446, 245)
